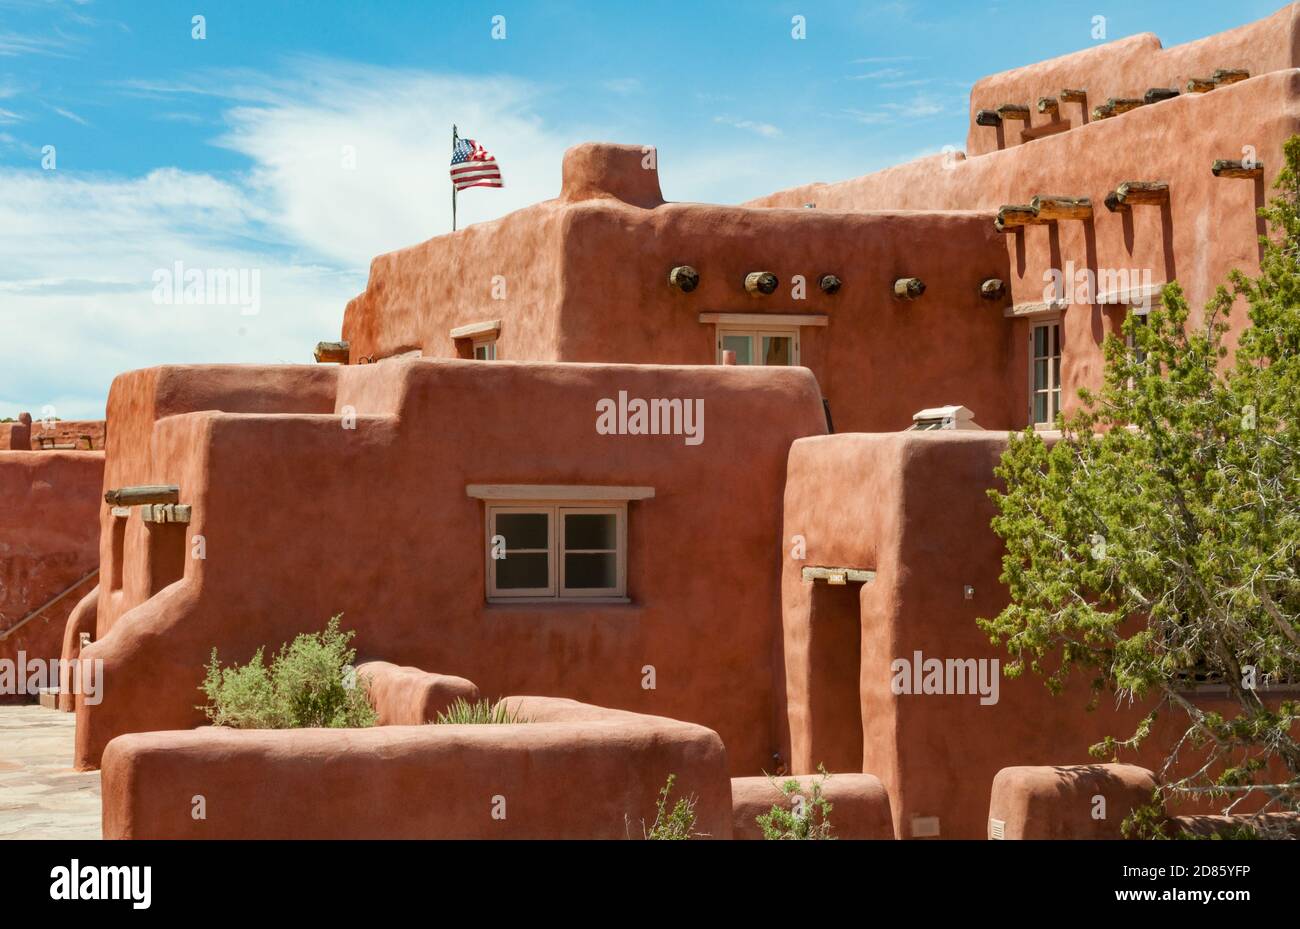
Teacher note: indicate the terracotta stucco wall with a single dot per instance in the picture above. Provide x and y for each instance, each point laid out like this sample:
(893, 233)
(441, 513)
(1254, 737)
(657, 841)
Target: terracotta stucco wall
(914, 508)
(1208, 228)
(49, 506)
(1128, 68)
(303, 519)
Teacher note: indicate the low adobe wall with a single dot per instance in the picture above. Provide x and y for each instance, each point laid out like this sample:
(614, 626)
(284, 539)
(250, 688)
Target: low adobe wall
(1067, 801)
(859, 804)
(49, 524)
(79, 435)
(595, 776)
(411, 697)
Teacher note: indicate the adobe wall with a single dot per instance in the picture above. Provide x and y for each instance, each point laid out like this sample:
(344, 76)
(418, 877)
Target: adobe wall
(1128, 68)
(590, 774)
(1208, 228)
(48, 530)
(302, 519)
(878, 360)
(416, 296)
(138, 399)
(586, 280)
(68, 434)
(914, 508)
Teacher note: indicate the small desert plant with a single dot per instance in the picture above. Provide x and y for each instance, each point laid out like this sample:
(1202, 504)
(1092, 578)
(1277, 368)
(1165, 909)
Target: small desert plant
(808, 817)
(310, 684)
(676, 823)
(483, 712)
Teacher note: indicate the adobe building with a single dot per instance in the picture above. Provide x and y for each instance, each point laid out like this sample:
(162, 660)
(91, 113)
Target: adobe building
(49, 528)
(534, 388)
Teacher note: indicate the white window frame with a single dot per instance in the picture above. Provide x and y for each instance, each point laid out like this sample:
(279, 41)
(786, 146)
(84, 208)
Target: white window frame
(494, 593)
(756, 333)
(1035, 324)
(557, 591)
(488, 345)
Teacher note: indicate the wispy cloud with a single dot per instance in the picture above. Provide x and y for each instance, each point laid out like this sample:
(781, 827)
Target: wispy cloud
(68, 114)
(767, 130)
(624, 86)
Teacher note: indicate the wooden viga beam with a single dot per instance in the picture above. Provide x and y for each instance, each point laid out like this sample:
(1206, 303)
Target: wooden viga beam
(1105, 111)
(761, 282)
(1142, 193)
(1200, 85)
(1073, 95)
(1056, 208)
(1229, 76)
(331, 352)
(993, 289)
(908, 288)
(1014, 111)
(1113, 204)
(988, 118)
(1124, 104)
(142, 494)
(1158, 94)
(1049, 106)
(1224, 168)
(1013, 216)
(684, 278)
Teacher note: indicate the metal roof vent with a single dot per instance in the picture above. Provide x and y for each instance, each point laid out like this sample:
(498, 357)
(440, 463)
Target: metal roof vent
(943, 417)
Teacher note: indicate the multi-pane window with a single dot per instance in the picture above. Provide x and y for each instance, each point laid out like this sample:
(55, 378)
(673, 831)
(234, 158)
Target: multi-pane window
(485, 350)
(1045, 372)
(557, 551)
(760, 347)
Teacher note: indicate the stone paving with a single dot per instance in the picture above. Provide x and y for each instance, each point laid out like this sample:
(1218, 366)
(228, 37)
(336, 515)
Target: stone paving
(41, 796)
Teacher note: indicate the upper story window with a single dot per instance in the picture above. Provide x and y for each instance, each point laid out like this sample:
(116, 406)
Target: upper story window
(1045, 372)
(760, 347)
(485, 350)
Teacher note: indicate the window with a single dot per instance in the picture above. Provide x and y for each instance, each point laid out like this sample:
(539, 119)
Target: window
(760, 347)
(1045, 372)
(1139, 319)
(485, 350)
(557, 551)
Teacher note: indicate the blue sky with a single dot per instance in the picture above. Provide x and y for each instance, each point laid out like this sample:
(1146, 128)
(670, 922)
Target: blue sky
(229, 151)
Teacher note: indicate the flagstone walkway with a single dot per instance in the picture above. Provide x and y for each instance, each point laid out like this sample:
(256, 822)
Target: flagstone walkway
(41, 797)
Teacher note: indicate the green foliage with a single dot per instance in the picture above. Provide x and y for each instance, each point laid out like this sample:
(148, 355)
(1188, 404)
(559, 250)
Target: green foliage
(677, 823)
(1156, 545)
(310, 683)
(483, 712)
(808, 816)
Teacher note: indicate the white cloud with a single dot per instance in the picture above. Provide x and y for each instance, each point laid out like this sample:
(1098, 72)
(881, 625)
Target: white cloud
(767, 130)
(68, 114)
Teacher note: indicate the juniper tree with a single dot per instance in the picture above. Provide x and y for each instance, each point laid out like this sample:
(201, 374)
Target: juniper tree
(1154, 545)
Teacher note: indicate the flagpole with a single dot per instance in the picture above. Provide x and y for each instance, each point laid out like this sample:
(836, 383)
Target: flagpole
(453, 183)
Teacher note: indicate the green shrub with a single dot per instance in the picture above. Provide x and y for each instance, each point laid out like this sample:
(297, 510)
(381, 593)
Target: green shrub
(310, 684)
(484, 712)
(677, 823)
(809, 817)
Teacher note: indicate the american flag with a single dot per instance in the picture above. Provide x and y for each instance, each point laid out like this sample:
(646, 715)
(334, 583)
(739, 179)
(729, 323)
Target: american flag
(472, 166)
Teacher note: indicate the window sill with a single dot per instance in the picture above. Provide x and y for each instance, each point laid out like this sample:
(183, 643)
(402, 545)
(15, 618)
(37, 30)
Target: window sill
(559, 601)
